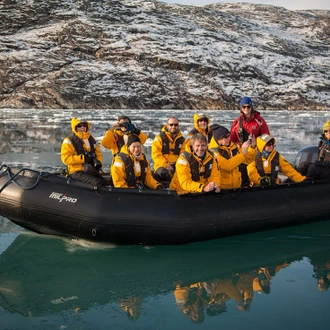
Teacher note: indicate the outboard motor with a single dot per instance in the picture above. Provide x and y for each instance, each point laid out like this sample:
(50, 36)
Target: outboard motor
(305, 157)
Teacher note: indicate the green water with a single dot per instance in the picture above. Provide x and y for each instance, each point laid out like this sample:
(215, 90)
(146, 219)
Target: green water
(275, 279)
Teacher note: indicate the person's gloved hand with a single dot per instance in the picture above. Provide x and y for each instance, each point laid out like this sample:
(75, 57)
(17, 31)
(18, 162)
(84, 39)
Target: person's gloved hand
(130, 127)
(88, 158)
(161, 187)
(264, 182)
(97, 164)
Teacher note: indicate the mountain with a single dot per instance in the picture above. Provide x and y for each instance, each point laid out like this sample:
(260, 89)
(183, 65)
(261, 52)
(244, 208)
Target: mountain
(151, 55)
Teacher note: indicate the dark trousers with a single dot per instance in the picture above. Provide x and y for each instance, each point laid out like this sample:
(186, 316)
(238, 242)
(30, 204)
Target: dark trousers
(95, 180)
(319, 171)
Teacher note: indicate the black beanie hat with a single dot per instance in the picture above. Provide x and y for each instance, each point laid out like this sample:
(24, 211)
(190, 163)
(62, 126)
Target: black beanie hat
(131, 139)
(219, 132)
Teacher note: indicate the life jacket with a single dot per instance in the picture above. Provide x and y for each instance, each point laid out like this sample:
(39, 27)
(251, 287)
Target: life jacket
(274, 166)
(209, 134)
(79, 145)
(194, 167)
(131, 179)
(166, 144)
(324, 151)
(224, 152)
(119, 141)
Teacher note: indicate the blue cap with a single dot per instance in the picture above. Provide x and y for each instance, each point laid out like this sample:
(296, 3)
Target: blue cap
(246, 100)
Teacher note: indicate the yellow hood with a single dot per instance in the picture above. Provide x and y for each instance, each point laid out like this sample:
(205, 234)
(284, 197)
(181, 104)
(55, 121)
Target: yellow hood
(76, 121)
(263, 140)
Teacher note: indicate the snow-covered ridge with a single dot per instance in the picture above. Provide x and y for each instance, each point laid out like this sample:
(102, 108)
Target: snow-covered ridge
(148, 54)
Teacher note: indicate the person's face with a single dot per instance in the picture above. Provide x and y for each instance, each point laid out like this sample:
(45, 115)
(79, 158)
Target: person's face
(327, 134)
(199, 147)
(135, 148)
(225, 141)
(82, 127)
(173, 126)
(269, 146)
(246, 109)
(202, 122)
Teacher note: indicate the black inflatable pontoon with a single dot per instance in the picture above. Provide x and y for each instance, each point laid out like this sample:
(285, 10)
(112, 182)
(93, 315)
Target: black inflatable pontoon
(48, 204)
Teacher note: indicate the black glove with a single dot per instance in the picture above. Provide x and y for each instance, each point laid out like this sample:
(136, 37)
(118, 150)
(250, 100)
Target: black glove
(88, 158)
(264, 182)
(97, 164)
(130, 127)
(161, 187)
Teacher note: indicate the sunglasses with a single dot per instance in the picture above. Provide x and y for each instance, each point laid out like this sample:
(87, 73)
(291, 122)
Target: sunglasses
(173, 125)
(270, 143)
(227, 136)
(81, 125)
(326, 131)
(203, 119)
(246, 107)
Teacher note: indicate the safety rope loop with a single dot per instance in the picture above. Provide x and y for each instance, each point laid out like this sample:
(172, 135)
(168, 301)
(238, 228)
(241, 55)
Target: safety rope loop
(12, 179)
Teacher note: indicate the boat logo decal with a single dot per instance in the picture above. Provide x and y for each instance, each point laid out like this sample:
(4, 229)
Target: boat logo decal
(62, 197)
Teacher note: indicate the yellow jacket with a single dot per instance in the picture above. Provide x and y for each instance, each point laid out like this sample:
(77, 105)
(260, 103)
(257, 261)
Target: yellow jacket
(198, 129)
(118, 171)
(110, 139)
(182, 180)
(69, 154)
(160, 159)
(230, 175)
(284, 166)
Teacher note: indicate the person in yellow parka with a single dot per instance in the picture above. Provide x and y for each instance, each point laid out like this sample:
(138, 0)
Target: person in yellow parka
(264, 170)
(196, 169)
(229, 156)
(166, 148)
(82, 155)
(201, 125)
(116, 137)
(131, 169)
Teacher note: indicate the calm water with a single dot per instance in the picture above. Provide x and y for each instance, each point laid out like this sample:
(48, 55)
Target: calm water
(277, 279)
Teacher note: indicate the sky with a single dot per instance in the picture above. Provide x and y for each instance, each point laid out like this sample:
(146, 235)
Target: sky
(289, 4)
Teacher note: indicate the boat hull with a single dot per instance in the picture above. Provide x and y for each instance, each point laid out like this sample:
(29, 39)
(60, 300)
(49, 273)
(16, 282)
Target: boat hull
(150, 217)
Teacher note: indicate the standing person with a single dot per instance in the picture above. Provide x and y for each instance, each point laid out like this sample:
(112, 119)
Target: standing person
(196, 169)
(131, 169)
(201, 125)
(248, 123)
(321, 167)
(229, 156)
(264, 170)
(116, 137)
(82, 155)
(166, 148)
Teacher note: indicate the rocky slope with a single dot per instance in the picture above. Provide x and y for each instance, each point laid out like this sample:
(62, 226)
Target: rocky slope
(148, 54)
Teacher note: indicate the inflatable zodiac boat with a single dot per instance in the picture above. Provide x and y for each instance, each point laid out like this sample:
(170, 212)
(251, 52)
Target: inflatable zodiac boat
(50, 204)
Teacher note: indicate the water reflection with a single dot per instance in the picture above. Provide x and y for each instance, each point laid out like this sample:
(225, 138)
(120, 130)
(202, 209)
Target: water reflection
(42, 276)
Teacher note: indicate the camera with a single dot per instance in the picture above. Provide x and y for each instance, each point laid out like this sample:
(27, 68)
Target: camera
(125, 124)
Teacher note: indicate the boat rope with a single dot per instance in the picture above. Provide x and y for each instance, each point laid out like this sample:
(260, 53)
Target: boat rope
(5, 169)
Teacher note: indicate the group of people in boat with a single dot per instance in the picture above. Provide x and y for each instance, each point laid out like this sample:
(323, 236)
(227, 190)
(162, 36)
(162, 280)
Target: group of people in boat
(210, 158)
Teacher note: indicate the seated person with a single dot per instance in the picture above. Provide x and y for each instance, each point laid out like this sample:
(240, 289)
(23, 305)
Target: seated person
(201, 125)
(264, 170)
(82, 155)
(320, 170)
(166, 148)
(196, 169)
(229, 156)
(117, 135)
(131, 169)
